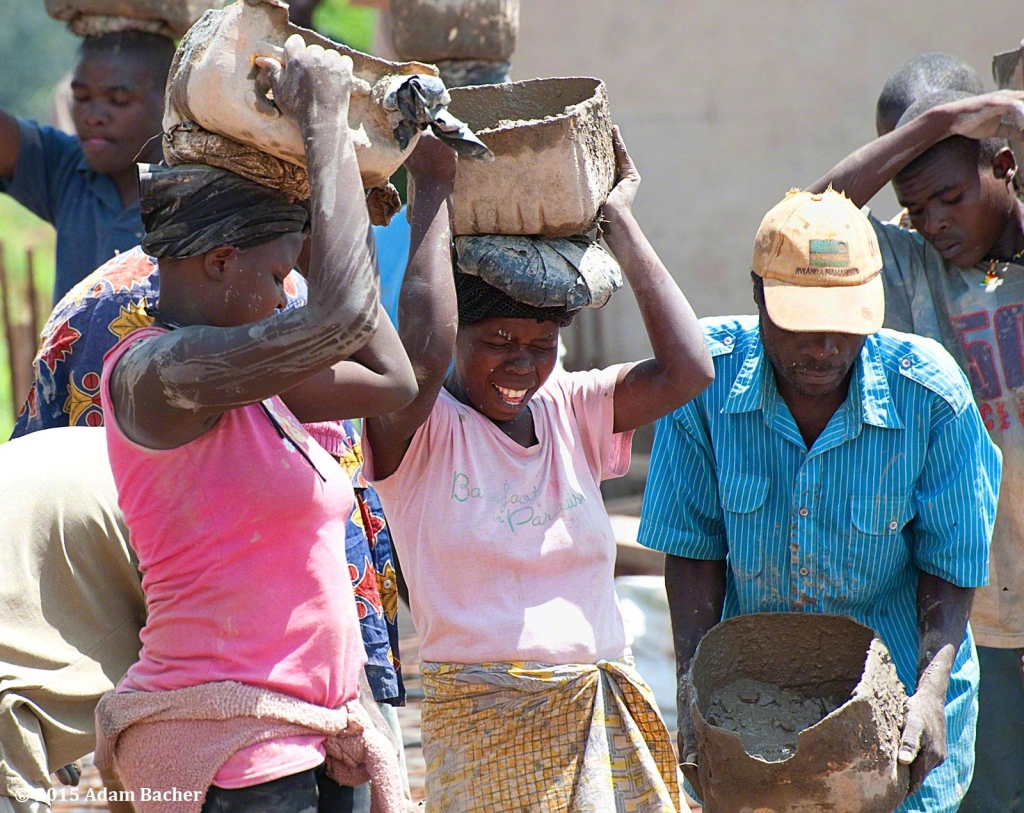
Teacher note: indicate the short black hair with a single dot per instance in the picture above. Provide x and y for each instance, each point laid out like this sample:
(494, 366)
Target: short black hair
(920, 76)
(152, 52)
(980, 151)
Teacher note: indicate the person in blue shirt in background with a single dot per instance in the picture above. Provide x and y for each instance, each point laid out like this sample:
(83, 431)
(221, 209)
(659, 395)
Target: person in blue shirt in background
(833, 467)
(87, 186)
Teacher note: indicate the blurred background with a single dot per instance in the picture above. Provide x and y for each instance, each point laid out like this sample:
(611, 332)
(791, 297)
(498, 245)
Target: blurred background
(724, 105)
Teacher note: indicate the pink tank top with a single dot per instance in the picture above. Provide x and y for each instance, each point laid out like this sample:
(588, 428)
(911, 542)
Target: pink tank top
(240, 535)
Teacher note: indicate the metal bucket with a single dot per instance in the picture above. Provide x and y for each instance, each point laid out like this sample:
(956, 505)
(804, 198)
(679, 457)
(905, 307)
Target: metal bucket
(847, 762)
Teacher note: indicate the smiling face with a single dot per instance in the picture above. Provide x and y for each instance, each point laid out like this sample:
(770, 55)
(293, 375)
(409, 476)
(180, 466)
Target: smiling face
(117, 110)
(501, 362)
(964, 210)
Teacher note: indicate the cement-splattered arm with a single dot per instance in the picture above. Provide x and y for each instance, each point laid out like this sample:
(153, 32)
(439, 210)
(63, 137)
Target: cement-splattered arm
(190, 376)
(942, 611)
(696, 597)
(427, 309)
(866, 170)
(681, 368)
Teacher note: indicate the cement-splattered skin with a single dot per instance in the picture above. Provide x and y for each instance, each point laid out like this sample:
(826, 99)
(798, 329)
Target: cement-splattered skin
(220, 360)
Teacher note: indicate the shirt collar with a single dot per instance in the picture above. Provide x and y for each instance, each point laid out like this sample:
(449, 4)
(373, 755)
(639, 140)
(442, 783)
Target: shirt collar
(102, 187)
(754, 387)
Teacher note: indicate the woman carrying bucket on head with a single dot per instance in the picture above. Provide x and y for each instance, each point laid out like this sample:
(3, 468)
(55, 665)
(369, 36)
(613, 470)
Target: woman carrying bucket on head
(490, 479)
(245, 692)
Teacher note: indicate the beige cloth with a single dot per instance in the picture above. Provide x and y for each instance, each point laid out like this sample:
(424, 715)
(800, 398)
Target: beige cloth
(71, 605)
(177, 740)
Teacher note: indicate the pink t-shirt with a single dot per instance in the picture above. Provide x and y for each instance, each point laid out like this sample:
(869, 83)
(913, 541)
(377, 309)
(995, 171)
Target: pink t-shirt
(508, 551)
(240, 535)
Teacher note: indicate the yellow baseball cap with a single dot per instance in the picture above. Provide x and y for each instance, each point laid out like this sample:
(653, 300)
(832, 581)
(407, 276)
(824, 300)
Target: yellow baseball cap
(818, 256)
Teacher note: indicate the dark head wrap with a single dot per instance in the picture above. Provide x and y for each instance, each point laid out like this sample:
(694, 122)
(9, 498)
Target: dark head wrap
(194, 208)
(480, 300)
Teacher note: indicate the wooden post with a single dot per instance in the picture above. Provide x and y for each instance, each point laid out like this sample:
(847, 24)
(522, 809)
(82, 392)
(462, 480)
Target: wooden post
(5, 311)
(33, 304)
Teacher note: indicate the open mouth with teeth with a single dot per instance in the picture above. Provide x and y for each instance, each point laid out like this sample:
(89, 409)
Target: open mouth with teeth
(511, 397)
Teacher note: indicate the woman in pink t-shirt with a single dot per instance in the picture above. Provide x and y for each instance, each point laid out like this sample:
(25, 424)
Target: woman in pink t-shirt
(490, 480)
(251, 654)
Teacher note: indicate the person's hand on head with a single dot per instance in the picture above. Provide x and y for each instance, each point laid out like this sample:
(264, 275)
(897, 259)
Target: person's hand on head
(627, 180)
(308, 80)
(991, 115)
(431, 161)
(923, 743)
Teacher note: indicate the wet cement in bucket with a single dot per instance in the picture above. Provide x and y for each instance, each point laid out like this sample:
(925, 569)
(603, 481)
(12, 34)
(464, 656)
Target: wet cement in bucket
(766, 717)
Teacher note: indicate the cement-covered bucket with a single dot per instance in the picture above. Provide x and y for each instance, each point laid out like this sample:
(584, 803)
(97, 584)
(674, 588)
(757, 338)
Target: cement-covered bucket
(216, 113)
(554, 163)
(846, 763)
(438, 30)
(1008, 69)
(171, 18)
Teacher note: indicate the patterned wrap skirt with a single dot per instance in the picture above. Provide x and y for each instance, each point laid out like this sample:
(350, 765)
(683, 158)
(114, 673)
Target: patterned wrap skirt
(581, 738)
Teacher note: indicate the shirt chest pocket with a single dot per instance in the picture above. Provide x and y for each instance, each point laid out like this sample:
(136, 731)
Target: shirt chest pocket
(875, 552)
(747, 524)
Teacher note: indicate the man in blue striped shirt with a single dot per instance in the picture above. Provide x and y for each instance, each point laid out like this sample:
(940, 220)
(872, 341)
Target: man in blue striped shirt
(833, 467)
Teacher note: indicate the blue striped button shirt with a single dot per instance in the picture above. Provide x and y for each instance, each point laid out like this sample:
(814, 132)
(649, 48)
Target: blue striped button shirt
(904, 478)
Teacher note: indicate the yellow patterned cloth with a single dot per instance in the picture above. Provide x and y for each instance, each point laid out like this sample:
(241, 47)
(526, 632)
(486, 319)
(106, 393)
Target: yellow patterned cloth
(545, 739)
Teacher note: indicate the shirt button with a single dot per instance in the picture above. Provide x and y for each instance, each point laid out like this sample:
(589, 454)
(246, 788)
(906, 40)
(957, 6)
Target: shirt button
(905, 363)
(893, 525)
(727, 340)
(794, 547)
(804, 571)
(804, 512)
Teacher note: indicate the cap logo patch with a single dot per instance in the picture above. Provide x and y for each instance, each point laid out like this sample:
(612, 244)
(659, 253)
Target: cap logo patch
(829, 254)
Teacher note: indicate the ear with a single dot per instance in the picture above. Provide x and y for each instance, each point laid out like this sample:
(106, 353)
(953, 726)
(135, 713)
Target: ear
(1004, 165)
(219, 261)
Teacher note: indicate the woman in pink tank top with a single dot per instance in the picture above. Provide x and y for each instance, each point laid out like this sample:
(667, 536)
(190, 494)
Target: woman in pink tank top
(237, 515)
(491, 481)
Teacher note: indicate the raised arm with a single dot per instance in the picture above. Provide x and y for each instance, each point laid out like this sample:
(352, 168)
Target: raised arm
(865, 171)
(942, 611)
(10, 144)
(187, 377)
(681, 368)
(376, 379)
(427, 310)
(696, 597)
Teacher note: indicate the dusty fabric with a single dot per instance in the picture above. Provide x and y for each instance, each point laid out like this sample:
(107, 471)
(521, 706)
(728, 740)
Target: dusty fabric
(413, 103)
(201, 726)
(71, 605)
(508, 550)
(479, 300)
(545, 272)
(188, 143)
(975, 319)
(549, 739)
(191, 209)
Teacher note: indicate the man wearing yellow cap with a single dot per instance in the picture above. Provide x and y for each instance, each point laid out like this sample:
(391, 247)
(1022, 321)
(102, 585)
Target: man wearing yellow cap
(833, 467)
